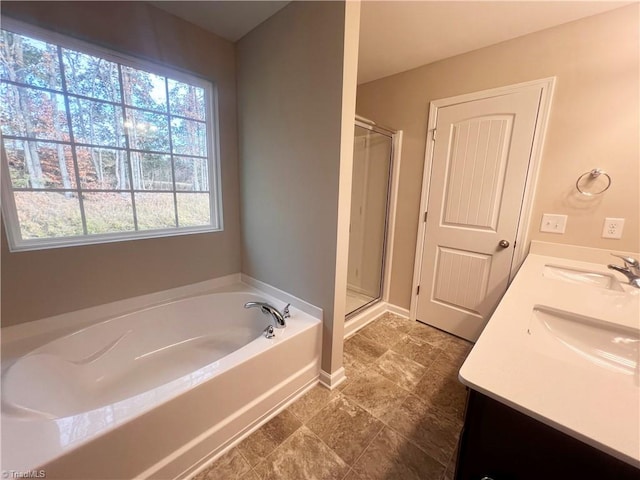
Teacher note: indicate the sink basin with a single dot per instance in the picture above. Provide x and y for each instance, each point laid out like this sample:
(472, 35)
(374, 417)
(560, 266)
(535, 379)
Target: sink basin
(582, 277)
(607, 345)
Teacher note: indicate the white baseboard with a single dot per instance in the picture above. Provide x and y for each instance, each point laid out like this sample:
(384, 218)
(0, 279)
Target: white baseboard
(332, 380)
(403, 312)
(361, 320)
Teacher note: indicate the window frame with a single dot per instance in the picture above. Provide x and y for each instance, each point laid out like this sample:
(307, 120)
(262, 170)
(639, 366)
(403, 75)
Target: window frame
(9, 211)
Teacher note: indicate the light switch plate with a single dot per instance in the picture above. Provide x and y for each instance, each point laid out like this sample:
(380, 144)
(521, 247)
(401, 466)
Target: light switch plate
(613, 228)
(553, 223)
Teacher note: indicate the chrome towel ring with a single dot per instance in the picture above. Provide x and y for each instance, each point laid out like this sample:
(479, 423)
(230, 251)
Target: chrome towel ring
(586, 181)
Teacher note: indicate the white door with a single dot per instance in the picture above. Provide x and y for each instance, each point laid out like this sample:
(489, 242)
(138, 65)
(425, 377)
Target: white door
(478, 174)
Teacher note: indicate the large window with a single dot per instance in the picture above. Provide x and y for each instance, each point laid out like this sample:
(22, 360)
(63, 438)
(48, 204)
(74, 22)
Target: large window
(101, 147)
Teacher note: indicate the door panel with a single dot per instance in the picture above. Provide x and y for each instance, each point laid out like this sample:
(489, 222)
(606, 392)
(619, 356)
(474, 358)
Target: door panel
(476, 167)
(460, 279)
(478, 174)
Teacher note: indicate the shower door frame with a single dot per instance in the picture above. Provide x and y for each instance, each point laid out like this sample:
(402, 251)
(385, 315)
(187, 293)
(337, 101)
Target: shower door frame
(390, 214)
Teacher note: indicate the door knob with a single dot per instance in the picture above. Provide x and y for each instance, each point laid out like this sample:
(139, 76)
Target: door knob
(503, 243)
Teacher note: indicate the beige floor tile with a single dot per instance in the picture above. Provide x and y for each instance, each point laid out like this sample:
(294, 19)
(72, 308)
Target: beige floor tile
(383, 331)
(428, 334)
(447, 364)
(450, 471)
(281, 426)
(311, 402)
(352, 475)
(375, 394)
(250, 475)
(303, 456)
(352, 365)
(231, 465)
(457, 345)
(397, 322)
(370, 427)
(417, 350)
(399, 369)
(445, 393)
(455, 353)
(391, 456)
(268, 437)
(435, 433)
(256, 447)
(350, 378)
(363, 349)
(345, 427)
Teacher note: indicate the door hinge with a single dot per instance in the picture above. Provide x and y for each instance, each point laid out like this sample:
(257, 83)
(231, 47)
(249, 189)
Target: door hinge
(418, 290)
(425, 216)
(433, 134)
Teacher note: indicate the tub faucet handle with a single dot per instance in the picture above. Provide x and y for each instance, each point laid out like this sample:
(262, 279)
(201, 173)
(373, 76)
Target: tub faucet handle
(268, 332)
(285, 311)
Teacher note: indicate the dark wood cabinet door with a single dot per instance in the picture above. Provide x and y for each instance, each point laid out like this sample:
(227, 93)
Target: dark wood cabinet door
(499, 443)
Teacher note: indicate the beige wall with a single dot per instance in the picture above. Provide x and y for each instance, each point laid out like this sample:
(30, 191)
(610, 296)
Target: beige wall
(290, 107)
(48, 282)
(594, 123)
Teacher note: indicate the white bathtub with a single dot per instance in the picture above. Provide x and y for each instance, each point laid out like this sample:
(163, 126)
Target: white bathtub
(156, 392)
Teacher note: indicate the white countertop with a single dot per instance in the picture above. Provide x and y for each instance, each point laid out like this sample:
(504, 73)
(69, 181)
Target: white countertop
(520, 361)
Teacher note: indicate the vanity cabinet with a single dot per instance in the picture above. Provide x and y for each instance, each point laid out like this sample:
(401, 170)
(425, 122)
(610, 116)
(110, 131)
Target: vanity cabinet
(500, 443)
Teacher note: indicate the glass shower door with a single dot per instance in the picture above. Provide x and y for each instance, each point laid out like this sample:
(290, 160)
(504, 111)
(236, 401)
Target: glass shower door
(369, 204)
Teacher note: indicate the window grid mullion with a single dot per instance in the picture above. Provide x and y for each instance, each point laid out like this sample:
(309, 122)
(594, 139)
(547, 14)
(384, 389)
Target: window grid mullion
(159, 112)
(128, 149)
(173, 169)
(28, 85)
(74, 154)
(92, 145)
(103, 190)
(98, 100)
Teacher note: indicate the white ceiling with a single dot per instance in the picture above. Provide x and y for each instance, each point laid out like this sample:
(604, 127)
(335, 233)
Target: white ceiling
(229, 19)
(396, 36)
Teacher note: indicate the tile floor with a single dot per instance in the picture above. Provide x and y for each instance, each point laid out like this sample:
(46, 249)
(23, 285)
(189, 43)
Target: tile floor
(398, 415)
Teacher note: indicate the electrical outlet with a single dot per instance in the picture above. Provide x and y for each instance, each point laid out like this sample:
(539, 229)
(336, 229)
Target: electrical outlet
(552, 223)
(613, 228)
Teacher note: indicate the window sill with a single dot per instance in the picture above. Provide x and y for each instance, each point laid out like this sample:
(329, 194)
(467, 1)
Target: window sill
(49, 243)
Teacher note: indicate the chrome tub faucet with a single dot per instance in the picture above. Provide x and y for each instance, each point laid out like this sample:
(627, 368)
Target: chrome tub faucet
(631, 269)
(278, 318)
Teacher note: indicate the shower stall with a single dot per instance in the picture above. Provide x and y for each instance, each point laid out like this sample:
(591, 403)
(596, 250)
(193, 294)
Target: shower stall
(370, 199)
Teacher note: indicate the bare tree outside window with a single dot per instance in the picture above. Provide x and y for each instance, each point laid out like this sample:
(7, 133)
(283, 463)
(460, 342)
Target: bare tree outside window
(94, 146)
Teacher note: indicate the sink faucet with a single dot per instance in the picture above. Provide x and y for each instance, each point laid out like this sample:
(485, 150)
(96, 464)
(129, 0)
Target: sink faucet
(631, 269)
(278, 318)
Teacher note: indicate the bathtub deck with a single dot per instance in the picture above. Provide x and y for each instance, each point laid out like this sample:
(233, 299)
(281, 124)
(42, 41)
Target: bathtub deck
(398, 415)
(182, 406)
